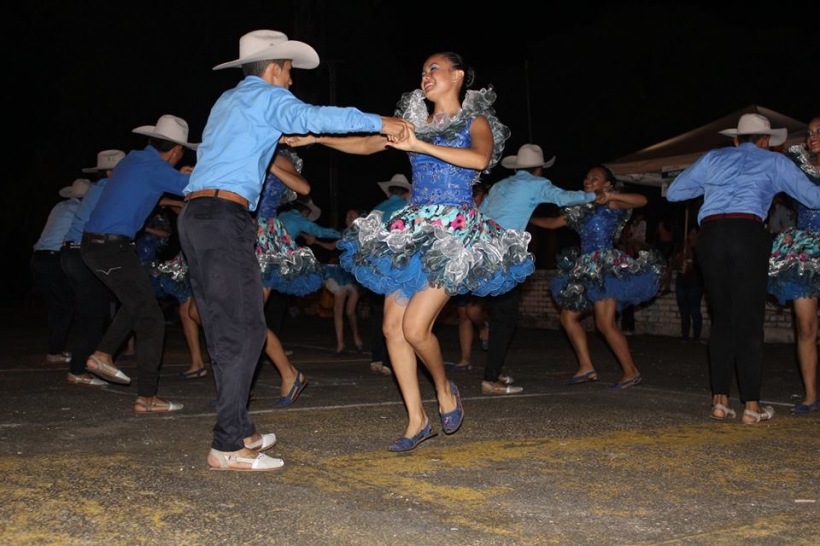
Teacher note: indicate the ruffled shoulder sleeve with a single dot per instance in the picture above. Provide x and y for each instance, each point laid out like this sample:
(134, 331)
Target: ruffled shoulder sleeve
(413, 108)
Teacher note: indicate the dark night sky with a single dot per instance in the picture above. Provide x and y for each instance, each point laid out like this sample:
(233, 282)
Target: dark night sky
(588, 81)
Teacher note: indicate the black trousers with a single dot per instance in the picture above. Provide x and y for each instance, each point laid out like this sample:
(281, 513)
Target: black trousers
(733, 254)
(218, 238)
(117, 265)
(53, 284)
(503, 323)
(93, 307)
(689, 294)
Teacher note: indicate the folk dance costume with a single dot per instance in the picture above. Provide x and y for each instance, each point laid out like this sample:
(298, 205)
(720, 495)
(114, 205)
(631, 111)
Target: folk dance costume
(794, 265)
(439, 238)
(598, 271)
(337, 280)
(286, 267)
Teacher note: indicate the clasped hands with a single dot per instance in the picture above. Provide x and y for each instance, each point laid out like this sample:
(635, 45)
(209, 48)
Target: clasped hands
(399, 133)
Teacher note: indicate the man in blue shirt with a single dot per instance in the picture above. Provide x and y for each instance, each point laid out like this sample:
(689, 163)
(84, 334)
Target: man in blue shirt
(93, 297)
(301, 218)
(738, 184)
(129, 196)
(397, 190)
(510, 203)
(49, 276)
(218, 235)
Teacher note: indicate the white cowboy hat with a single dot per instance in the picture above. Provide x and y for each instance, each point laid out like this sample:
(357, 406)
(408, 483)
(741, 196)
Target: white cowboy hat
(755, 124)
(168, 127)
(269, 45)
(107, 159)
(315, 212)
(77, 189)
(398, 180)
(529, 156)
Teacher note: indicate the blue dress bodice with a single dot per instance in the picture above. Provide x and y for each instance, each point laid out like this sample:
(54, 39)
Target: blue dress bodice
(272, 192)
(436, 182)
(807, 219)
(597, 230)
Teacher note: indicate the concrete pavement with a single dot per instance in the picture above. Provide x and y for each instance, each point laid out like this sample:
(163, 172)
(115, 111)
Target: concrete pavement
(557, 464)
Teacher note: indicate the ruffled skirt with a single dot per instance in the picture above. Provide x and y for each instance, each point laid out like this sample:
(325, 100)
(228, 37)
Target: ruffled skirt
(170, 278)
(454, 248)
(286, 267)
(582, 280)
(337, 280)
(794, 265)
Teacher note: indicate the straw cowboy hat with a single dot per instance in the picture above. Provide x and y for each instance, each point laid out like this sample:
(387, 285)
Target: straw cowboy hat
(168, 127)
(529, 156)
(107, 159)
(755, 124)
(269, 45)
(77, 189)
(398, 180)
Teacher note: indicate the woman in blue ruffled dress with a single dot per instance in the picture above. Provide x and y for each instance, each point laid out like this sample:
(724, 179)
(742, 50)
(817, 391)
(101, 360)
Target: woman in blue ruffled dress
(285, 266)
(438, 245)
(346, 291)
(794, 270)
(170, 278)
(601, 278)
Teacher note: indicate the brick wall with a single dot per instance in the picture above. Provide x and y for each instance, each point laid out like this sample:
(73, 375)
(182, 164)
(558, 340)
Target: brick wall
(658, 317)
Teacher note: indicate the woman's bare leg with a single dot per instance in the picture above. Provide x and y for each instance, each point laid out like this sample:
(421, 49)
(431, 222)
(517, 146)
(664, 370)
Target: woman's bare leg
(352, 320)
(805, 310)
(607, 324)
(414, 322)
(338, 319)
(190, 328)
(571, 322)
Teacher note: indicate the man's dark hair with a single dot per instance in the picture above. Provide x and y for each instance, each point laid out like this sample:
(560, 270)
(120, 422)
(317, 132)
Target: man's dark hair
(162, 145)
(256, 68)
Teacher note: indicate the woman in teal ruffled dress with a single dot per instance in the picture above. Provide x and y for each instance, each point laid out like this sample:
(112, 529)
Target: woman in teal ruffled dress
(439, 245)
(794, 270)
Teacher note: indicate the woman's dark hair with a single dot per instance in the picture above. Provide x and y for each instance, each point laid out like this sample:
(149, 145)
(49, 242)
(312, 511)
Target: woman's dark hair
(609, 176)
(457, 62)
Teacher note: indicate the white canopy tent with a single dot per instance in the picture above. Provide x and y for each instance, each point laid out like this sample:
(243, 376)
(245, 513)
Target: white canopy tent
(658, 164)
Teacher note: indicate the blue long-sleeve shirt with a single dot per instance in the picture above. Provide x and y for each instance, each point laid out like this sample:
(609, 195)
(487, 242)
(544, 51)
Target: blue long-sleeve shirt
(57, 225)
(245, 125)
(742, 179)
(511, 201)
(296, 224)
(83, 212)
(133, 191)
(390, 205)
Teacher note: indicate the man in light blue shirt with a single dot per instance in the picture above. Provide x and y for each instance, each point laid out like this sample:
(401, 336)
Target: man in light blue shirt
(301, 218)
(49, 276)
(397, 190)
(738, 184)
(218, 235)
(510, 203)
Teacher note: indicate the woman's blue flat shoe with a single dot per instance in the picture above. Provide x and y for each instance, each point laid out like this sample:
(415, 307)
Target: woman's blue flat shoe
(637, 380)
(584, 378)
(297, 388)
(806, 408)
(406, 444)
(451, 421)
